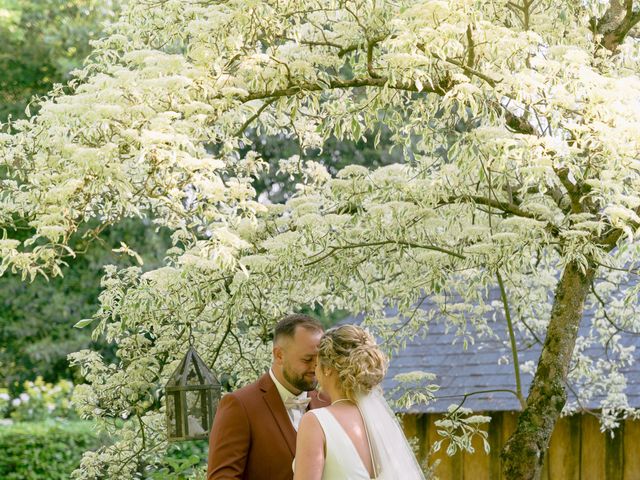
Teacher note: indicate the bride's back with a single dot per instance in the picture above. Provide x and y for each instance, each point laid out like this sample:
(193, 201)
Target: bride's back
(350, 420)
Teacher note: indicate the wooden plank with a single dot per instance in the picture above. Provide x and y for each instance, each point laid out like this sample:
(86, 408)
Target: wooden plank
(475, 466)
(577, 446)
(495, 441)
(545, 469)
(614, 453)
(509, 422)
(592, 462)
(408, 422)
(443, 470)
(428, 426)
(409, 426)
(457, 467)
(447, 468)
(414, 426)
(563, 457)
(421, 434)
(631, 448)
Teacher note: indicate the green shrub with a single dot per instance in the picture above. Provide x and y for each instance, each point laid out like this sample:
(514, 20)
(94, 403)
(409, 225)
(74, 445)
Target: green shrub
(44, 450)
(41, 400)
(51, 450)
(183, 460)
(5, 402)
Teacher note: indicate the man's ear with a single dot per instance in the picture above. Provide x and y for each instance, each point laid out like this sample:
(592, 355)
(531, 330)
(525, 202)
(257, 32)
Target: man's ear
(278, 354)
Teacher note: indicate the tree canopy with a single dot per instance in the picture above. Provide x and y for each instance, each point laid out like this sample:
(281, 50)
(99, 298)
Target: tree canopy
(42, 42)
(37, 319)
(518, 124)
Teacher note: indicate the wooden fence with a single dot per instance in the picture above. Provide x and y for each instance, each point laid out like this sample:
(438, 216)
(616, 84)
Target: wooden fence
(578, 450)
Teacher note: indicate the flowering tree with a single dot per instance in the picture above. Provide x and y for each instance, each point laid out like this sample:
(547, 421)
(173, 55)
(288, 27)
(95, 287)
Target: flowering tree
(519, 124)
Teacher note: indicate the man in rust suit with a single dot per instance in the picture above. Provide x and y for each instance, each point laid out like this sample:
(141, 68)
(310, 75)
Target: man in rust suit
(253, 436)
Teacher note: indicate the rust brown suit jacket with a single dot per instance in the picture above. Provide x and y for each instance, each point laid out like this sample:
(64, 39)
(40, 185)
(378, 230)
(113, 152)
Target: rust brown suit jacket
(252, 437)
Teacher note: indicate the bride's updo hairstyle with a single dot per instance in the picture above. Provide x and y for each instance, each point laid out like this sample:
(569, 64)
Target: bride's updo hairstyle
(353, 353)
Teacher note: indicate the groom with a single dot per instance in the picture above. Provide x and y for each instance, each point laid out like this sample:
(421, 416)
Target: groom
(254, 432)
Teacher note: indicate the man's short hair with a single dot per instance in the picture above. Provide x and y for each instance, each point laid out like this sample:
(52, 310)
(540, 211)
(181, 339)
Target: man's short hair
(286, 327)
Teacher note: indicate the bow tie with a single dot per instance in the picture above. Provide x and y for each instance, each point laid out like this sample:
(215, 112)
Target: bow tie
(297, 403)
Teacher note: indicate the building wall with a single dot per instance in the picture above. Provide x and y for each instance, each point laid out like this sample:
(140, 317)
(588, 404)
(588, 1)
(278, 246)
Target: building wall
(578, 450)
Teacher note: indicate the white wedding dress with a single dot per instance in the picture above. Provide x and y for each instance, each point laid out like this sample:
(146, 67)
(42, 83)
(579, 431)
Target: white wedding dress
(342, 460)
(391, 454)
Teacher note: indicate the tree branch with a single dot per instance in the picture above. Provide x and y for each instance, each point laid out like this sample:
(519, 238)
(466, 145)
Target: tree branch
(518, 124)
(471, 54)
(466, 68)
(250, 120)
(478, 392)
(322, 255)
(331, 85)
(372, 73)
(610, 240)
(602, 303)
(506, 207)
(573, 190)
(512, 339)
(616, 23)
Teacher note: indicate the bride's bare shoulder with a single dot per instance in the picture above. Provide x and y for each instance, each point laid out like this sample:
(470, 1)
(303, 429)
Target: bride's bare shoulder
(310, 438)
(309, 422)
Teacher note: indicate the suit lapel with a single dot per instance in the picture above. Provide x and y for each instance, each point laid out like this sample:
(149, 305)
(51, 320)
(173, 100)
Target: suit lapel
(274, 402)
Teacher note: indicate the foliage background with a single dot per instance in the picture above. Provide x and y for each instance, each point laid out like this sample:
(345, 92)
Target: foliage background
(42, 41)
(46, 40)
(506, 197)
(38, 450)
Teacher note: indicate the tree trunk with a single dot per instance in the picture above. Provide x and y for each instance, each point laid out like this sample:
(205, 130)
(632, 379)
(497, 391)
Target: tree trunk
(523, 455)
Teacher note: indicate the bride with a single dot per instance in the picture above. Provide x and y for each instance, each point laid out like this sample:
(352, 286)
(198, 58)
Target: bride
(357, 436)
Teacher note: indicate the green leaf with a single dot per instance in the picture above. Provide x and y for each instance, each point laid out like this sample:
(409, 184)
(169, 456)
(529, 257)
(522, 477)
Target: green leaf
(83, 323)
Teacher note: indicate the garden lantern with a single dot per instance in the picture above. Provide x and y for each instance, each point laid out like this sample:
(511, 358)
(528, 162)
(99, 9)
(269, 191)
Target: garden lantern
(192, 395)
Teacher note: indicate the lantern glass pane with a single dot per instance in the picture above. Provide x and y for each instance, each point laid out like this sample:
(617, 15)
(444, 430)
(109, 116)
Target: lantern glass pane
(197, 412)
(193, 378)
(171, 416)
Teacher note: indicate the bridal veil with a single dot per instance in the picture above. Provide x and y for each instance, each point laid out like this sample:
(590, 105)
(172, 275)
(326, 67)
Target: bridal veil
(393, 457)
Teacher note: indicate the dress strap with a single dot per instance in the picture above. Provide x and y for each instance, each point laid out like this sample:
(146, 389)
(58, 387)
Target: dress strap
(366, 432)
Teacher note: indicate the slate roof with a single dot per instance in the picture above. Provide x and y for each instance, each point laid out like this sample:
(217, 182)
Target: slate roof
(479, 367)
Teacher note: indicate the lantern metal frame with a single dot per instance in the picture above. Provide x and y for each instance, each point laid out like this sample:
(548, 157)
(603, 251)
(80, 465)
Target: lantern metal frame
(208, 388)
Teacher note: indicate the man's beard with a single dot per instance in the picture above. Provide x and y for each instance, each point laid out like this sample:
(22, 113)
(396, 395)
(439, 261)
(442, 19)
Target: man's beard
(298, 381)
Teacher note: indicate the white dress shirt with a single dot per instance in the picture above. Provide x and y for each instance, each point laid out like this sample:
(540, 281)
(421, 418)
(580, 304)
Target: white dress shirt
(295, 414)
